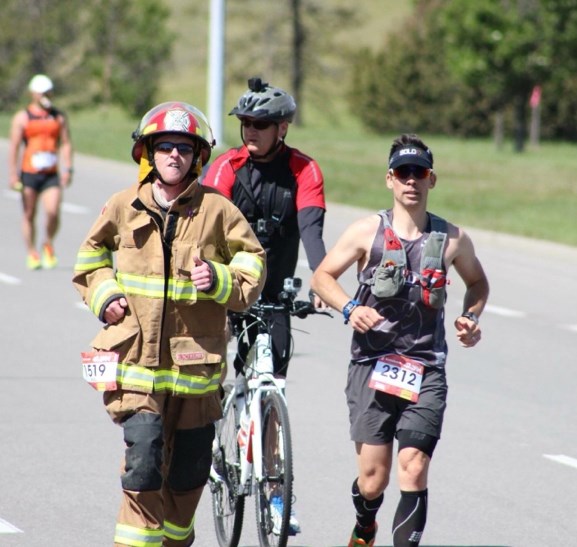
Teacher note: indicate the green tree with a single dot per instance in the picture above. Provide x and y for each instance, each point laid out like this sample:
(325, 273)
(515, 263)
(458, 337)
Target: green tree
(291, 45)
(34, 35)
(559, 99)
(407, 87)
(129, 46)
(504, 46)
(455, 66)
(103, 52)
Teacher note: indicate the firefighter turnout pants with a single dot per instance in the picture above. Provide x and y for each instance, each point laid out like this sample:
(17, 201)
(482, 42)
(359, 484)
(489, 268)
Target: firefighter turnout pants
(166, 464)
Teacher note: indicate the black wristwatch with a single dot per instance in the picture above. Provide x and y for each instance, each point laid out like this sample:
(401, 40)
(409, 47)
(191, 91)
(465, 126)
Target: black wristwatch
(470, 315)
(348, 308)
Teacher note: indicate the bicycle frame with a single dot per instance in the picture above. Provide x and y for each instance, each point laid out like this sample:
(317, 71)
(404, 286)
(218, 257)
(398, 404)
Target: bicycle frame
(251, 465)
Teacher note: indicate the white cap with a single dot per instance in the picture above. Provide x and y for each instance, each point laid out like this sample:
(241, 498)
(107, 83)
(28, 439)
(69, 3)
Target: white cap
(40, 84)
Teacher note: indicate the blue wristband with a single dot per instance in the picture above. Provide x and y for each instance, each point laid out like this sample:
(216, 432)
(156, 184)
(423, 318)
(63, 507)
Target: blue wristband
(348, 308)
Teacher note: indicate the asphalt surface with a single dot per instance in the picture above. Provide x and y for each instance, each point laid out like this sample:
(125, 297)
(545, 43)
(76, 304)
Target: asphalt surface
(503, 475)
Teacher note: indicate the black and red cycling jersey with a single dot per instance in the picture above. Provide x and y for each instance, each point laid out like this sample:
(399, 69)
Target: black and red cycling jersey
(283, 200)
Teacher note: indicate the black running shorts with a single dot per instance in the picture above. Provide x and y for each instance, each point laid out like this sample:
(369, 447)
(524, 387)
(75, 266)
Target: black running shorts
(375, 417)
(40, 181)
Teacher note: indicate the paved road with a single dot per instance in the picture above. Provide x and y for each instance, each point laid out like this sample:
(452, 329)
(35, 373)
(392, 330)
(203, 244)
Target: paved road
(503, 474)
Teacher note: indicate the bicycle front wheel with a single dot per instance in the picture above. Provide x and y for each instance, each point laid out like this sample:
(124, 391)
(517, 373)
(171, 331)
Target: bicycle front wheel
(227, 504)
(274, 492)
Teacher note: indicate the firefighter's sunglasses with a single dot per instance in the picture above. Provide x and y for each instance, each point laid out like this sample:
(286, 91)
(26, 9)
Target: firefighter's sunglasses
(166, 147)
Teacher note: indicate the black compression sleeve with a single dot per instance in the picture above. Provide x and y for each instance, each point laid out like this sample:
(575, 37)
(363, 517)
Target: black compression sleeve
(366, 509)
(311, 222)
(410, 519)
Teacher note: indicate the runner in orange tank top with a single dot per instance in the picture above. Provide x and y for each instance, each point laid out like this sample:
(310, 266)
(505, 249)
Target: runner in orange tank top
(39, 142)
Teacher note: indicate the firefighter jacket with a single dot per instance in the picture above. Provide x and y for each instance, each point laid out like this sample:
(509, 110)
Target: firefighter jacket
(172, 337)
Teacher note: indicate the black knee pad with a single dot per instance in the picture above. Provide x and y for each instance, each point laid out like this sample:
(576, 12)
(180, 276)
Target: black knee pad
(415, 439)
(143, 438)
(191, 458)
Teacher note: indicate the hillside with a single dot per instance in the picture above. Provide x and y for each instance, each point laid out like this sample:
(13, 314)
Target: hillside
(258, 33)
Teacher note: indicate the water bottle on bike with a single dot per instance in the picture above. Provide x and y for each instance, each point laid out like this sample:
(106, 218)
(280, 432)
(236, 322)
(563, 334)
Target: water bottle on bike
(264, 362)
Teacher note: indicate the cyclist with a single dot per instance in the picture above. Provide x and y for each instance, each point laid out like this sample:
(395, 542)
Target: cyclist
(43, 130)
(280, 190)
(183, 256)
(397, 316)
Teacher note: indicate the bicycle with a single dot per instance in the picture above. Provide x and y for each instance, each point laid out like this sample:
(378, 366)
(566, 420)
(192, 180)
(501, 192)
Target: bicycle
(252, 453)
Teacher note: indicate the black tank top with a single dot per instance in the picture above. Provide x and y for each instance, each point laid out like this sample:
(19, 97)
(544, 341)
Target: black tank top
(410, 327)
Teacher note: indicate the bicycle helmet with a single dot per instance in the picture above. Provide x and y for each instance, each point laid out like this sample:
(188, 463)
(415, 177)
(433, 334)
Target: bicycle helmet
(265, 102)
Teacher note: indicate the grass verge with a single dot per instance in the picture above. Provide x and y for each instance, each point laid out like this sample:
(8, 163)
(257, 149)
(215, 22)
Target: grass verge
(532, 194)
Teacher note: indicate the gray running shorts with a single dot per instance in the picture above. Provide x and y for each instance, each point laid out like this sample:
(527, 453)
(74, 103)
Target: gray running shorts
(375, 417)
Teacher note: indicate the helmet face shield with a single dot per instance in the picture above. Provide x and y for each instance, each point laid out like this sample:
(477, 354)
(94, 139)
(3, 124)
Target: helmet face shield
(176, 118)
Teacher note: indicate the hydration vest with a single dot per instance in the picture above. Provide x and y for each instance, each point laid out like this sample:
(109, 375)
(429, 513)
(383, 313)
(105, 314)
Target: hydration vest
(390, 276)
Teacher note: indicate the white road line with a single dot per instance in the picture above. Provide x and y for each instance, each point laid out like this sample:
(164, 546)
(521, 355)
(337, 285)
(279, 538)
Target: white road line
(9, 280)
(572, 328)
(75, 209)
(504, 312)
(560, 458)
(7, 528)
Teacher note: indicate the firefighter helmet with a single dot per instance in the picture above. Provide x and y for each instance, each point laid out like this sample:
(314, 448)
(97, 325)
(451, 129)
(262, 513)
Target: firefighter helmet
(173, 117)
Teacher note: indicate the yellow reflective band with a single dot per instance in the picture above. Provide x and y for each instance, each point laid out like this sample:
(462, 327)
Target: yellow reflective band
(138, 537)
(173, 381)
(186, 384)
(182, 290)
(223, 288)
(153, 287)
(135, 375)
(104, 290)
(92, 260)
(178, 533)
(249, 263)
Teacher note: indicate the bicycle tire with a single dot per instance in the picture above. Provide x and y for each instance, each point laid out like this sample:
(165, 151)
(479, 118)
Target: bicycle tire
(277, 472)
(227, 504)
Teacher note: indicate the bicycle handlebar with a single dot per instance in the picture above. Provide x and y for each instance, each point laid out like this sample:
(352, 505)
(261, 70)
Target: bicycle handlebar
(298, 308)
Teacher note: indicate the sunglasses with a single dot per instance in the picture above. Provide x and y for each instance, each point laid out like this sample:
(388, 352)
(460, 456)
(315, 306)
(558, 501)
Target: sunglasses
(405, 171)
(259, 125)
(166, 147)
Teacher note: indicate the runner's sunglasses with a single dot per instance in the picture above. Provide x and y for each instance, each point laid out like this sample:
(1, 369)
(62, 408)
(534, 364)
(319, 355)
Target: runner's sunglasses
(405, 171)
(259, 125)
(166, 147)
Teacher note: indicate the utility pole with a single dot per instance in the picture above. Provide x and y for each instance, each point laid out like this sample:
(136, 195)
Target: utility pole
(215, 85)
